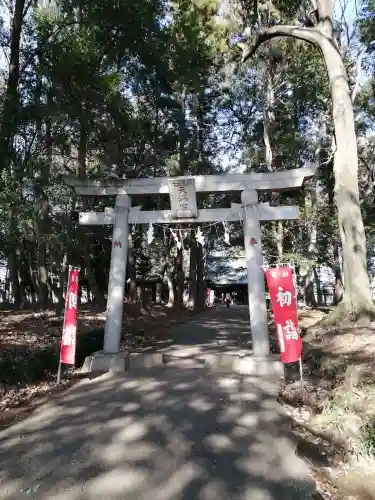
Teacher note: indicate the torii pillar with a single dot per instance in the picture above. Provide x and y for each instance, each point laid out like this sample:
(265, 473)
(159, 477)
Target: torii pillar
(117, 275)
(255, 274)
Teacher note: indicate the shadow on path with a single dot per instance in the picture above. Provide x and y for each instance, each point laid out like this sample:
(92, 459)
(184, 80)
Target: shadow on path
(161, 434)
(217, 329)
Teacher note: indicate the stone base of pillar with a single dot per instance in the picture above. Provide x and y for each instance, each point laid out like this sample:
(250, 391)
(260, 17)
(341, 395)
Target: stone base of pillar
(266, 366)
(101, 361)
(235, 363)
(247, 364)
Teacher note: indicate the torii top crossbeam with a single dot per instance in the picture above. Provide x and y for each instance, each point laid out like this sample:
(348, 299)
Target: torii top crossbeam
(270, 181)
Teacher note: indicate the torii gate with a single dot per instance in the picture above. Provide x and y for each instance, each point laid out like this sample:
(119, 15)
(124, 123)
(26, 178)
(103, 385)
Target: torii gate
(182, 191)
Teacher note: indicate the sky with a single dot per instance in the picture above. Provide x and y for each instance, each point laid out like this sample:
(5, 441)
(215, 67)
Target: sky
(349, 7)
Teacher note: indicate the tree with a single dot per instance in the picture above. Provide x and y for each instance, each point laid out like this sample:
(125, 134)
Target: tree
(320, 32)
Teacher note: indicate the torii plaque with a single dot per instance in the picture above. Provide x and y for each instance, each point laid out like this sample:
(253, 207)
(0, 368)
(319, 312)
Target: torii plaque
(183, 198)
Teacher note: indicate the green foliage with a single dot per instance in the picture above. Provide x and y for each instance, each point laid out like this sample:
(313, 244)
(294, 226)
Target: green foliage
(142, 89)
(368, 437)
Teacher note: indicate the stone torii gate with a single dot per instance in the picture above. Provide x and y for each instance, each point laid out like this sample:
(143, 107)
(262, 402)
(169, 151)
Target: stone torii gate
(182, 191)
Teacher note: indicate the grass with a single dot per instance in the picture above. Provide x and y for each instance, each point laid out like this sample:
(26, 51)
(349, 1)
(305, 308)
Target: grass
(368, 437)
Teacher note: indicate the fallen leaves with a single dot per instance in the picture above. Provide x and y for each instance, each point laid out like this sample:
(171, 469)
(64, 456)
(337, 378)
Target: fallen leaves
(25, 333)
(338, 396)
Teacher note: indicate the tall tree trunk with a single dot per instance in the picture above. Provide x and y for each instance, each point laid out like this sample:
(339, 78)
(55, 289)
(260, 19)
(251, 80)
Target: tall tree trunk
(268, 128)
(8, 128)
(319, 291)
(197, 292)
(357, 302)
(13, 277)
(166, 272)
(307, 269)
(169, 274)
(202, 164)
(171, 295)
(337, 268)
(193, 262)
(22, 263)
(42, 250)
(159, 292)
(180, 277)
(7, 284)
(34, 284)
(132, 271)
(201, 289)
(10, 112)
(182, 132)
(268, 117)
(67, 255)
(357, 297)
(62, 282)
(82, 156)
(42, 200)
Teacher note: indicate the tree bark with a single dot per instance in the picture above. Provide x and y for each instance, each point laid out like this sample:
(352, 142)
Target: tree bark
(171, 296)
(357, 303)
(307, 287)
(159, 293)
(62, 283)
(132, 272)
(8, 128)
(180, 277)
(182, 132)
(13, 277)
(268, 128)
(357, 297)
(82, 156)
(42, 251)
(167, 271)
(193, 290)
(11, 101)
(201, 289)
(21, 281)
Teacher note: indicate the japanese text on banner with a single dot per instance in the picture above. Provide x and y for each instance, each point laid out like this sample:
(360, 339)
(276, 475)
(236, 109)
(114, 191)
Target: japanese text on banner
(68, 342)
(284, 307)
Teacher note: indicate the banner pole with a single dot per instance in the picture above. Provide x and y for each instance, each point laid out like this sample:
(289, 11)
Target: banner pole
(300, 359)
(59, 373)
(66, 294)
(301, 378)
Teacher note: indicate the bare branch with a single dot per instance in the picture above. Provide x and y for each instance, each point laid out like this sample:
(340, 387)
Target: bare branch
(345, 23)
(6, 56)
(310, 35)
(359, 70)
(365, 163)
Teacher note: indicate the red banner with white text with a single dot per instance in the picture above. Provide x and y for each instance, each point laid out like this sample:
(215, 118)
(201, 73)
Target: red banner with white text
(284, 307)
(68, 342)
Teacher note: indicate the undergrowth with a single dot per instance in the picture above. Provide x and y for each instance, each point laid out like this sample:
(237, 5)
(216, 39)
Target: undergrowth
(368, 437)
(26, 365)
(341, 364)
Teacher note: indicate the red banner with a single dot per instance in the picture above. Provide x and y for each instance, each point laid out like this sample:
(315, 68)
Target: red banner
(284, 307)
(68, 342)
